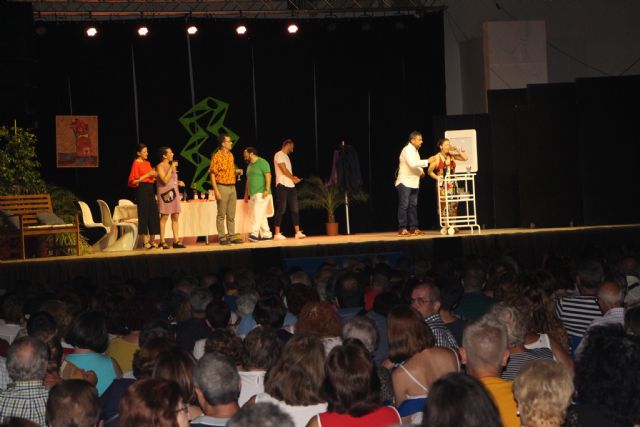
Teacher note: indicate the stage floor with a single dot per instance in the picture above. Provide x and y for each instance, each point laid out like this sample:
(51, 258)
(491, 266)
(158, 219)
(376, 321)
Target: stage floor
(529, 245)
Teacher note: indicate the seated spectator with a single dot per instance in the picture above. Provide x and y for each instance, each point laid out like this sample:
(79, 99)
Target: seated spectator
(42, 325)
(460, 400)
(543, 390)
(12, 317)
(418, 362)
(195, 328)
(632, 320)
(607, 378)
(382, 305)
(352, 390)
(262, 348)
(474, 303)
(362, 328)
(484, 352)
(88, 335)
(270, 312)
(218, 316)
(321, 318)
(514, 322)
(217, 386)
(425, 298)
(143, 363)
(27, 396)
(261, 415)
(451, 293)
(153, 403)
(349, 297)
(177, 364)
(73, 403)
(293, 383)
(122, 348)
(225, 342)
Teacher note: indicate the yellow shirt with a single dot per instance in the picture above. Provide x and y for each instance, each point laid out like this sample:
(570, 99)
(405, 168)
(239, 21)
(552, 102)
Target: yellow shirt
(122, 351)
(502, 392)
(223, 168)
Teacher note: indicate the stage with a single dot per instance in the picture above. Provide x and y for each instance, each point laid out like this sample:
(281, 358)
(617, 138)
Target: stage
(527, 245)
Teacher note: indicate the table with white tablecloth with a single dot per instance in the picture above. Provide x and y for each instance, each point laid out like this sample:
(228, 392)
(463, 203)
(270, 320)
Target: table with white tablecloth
(198, 218)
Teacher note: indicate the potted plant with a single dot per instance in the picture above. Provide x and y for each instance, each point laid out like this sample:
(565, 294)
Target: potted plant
(316, 194)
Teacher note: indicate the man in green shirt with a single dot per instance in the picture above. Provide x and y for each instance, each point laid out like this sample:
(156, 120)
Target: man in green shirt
(258, 190)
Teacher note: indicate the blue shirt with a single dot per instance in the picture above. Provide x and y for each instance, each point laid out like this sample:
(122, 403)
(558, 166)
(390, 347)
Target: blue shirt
(99, 363)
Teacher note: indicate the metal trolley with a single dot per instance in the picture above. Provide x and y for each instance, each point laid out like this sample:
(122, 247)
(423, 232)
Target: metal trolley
(463, 193)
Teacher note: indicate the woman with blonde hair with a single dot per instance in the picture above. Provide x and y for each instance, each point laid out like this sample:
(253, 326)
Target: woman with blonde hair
(418, 362)
(543, 390)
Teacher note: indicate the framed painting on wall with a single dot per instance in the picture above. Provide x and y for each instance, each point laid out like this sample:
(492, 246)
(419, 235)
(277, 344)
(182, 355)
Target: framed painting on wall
(77, 141)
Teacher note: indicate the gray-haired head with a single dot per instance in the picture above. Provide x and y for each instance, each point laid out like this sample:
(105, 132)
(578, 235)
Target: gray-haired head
(246, 303)
(27, 359)
(261, 415)
(199, 300)
(217, 378)
(484, 342)
(363, 329)
(513, 321)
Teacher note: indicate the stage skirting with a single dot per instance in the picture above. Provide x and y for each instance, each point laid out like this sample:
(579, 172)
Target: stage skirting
(527, 246)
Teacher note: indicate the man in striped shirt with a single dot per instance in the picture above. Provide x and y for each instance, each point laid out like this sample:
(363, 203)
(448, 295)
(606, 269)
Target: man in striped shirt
(577, 312)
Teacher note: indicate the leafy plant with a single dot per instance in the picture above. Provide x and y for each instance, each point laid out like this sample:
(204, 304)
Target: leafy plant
(314, 193)
(64, 205)
(19, 166)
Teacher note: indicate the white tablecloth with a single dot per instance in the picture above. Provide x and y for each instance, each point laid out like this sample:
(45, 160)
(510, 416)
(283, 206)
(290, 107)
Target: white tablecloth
(196, 219)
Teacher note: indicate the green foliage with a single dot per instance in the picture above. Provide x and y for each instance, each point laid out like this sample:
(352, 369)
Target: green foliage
(64, 205)
(315, 194)
(19, 173)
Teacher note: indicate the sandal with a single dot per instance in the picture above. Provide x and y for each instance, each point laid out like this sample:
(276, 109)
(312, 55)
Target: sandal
(165, 245)
(148, 245)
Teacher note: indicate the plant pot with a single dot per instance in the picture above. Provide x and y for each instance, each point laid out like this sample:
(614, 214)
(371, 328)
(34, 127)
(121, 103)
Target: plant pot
(332, 228)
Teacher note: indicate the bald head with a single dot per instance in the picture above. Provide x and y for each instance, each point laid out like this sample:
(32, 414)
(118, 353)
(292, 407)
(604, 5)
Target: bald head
(610, 295)
(27, 359)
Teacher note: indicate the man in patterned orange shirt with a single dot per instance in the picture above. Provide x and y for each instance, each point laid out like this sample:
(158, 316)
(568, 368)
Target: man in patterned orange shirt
(223, 178)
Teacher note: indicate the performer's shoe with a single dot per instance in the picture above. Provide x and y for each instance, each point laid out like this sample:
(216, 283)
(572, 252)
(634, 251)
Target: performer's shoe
(254, 238)
(178, 245)
(403, 233)
(300, 235)
(417, 232)
(279, 236)
(236, 239)
(164, 245)
(224, 240)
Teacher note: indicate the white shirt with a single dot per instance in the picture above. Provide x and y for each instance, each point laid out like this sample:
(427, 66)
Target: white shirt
(281, 157)
(410, 168)
(252, 384)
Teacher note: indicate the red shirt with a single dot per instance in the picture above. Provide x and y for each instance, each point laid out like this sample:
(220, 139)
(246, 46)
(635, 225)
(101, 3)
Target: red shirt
(137, 170)
(381, 417)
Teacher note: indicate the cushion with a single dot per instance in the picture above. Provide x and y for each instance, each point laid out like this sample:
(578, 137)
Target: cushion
(9, 220)
(49, 218)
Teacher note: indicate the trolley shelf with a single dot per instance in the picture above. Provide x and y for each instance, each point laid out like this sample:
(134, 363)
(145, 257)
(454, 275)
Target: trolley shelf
(457, 203)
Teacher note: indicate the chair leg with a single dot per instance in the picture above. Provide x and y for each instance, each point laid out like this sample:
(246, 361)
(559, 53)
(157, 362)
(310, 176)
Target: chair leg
(22, 248)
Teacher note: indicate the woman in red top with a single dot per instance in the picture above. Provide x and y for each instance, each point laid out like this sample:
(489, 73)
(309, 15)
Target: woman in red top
(142, 177)
(352, 390)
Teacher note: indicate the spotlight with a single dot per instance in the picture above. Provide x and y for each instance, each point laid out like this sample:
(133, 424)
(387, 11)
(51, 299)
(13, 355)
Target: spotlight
(292, 28)
(192, 30)
(92, 31)
(241, 30)
(143, 31)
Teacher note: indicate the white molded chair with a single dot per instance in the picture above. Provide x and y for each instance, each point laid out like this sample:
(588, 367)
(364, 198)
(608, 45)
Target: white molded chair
(87, 219)
(125, 202)
(128, 231)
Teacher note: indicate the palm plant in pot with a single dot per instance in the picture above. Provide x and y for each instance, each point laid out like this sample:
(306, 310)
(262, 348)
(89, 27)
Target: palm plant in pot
(314, 193)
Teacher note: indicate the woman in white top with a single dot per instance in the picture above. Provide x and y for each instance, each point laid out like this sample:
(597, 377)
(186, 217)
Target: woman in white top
(262, 348)
(294, 382)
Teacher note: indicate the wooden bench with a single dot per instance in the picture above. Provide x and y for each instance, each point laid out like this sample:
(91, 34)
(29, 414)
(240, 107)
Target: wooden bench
(26, 207)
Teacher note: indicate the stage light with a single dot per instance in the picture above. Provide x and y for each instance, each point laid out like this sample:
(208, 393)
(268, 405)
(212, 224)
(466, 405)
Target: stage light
(292, 28)
(143, 31)
(192, 30)
(241, 30)
(92, 31)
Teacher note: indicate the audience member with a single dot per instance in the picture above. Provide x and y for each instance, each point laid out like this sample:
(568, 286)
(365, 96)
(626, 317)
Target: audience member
(177, 365)
(631, 321)
(261, 415)
(426, 299)
(543, 390)
(460, 400)
(262, 349)
(224, 341)
(27, 396)
(484, 353)
(382, 305)
(349, 297)
(419, 363)
(195, 328)
(352, 390)
(217, 385)
(12, 317)
(218, 316)
(451, 292)
(73, 403)
(474, 302)
(321, 318)
(293, 383)
(153, 403)
(270, 312)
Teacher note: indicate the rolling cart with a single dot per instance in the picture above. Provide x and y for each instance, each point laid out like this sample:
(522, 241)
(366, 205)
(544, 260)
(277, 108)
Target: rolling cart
(461, 191)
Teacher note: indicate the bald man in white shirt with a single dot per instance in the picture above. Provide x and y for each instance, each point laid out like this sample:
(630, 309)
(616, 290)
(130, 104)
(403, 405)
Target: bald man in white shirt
(410, 171)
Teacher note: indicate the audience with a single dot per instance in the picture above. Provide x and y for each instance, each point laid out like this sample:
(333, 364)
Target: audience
(543, 390)
(27, 396)
(262, 349)
(73, 403)
(460, 400)
(217, 385)
(425, 298)
(352, 390)
(261, 415)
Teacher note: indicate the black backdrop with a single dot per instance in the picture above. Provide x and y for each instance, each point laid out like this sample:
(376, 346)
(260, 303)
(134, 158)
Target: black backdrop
(366, 81)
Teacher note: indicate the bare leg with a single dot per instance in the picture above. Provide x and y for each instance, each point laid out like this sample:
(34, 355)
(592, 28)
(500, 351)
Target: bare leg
(163, 222)
(175, 227)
